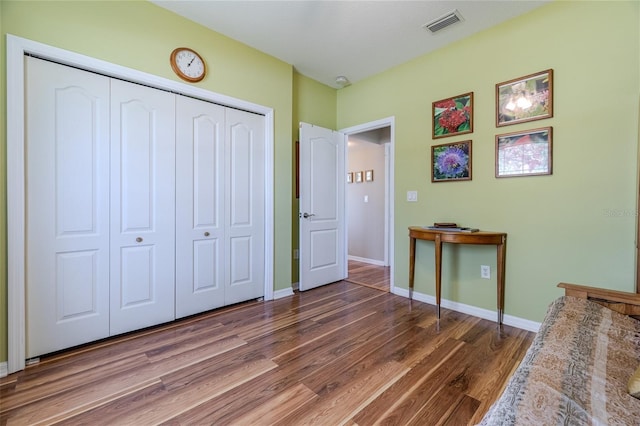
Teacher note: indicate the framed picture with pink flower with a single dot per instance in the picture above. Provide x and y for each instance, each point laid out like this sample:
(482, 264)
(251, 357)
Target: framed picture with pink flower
(526, 153)
(451, 162)
(453, 116)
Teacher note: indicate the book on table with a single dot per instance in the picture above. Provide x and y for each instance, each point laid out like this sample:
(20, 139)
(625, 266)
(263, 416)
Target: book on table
(452, 228)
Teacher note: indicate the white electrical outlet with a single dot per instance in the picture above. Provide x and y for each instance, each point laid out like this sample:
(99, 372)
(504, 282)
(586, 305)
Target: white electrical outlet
(412, 196)
(485, 272)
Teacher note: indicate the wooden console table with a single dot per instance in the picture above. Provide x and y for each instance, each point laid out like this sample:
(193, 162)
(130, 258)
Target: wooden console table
(499, 239)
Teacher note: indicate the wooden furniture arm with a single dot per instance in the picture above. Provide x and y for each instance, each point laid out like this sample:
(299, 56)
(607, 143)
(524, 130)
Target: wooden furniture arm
(619, 301)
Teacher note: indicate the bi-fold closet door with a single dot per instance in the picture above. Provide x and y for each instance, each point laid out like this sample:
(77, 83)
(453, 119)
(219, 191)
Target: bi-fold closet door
(105, 253)
(220, 203)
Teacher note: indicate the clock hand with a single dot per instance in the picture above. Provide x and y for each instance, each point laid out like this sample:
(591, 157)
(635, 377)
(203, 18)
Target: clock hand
(192, 59)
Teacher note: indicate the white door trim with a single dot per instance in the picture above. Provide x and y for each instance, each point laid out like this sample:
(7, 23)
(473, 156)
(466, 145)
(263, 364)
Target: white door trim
(390, 185)
(17, 47)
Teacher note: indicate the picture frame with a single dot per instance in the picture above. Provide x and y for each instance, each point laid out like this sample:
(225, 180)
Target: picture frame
(368, 175)
(358, 177)
(451, 162)
(350, 177)
(452, 116)
(525, 99)
(524, 153)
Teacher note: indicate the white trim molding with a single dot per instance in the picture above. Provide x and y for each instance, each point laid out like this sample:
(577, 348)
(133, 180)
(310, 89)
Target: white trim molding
(285, 292)
(390, 194)
(487, 314)
(365, 260)
(17, 48)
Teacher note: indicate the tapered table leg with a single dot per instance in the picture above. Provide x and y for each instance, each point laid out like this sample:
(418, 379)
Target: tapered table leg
(412, 264)
(438, 247)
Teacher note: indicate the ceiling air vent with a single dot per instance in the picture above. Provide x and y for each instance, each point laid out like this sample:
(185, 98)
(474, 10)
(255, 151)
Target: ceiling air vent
(443, 21)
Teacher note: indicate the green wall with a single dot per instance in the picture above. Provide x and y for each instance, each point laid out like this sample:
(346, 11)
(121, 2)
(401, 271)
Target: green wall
(313, 103)
(576, 225)
(141, 35)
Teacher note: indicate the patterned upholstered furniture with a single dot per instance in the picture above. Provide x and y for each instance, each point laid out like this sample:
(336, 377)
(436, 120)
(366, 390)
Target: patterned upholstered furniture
(578, 366)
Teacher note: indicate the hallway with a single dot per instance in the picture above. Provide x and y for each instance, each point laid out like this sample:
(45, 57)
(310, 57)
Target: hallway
(369, 275)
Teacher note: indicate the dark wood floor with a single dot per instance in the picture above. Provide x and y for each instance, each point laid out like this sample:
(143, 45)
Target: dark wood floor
(338, 354)
(369, 275)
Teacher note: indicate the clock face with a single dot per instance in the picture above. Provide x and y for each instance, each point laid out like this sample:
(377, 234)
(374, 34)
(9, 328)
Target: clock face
(188, 64)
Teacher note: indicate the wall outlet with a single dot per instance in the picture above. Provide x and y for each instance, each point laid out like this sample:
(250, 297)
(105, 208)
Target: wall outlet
(412, 196)
(485, 272)
(296, 254)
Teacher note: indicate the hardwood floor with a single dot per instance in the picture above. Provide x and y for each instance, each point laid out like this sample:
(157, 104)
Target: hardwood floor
(338, 354)
(369, 275)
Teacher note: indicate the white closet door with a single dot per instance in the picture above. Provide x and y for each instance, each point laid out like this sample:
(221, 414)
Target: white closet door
(142, 206)
(200, 202)
(244, 206)
(67, 163)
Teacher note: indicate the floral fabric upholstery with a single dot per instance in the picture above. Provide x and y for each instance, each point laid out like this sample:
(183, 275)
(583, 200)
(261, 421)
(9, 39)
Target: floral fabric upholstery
(576, 370)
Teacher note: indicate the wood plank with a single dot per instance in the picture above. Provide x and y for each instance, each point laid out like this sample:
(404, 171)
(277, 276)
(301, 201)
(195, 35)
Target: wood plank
(278, 407)
(335, 408)
(338, 354)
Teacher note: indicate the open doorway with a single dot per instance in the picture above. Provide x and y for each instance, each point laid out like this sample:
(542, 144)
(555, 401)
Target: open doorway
(369, 204)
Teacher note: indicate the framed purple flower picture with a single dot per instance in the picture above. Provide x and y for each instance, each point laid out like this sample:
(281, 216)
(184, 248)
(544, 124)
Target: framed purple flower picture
(453, 116)
(451, 161)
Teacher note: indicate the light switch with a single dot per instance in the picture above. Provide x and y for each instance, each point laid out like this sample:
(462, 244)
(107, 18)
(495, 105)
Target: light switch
(366, 198)
(412, 196)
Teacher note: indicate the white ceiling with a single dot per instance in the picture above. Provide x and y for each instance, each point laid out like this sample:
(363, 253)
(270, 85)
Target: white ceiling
(323, 39)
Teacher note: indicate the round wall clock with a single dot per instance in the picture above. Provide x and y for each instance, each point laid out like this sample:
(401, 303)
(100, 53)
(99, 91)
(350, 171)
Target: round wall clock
(188, 64)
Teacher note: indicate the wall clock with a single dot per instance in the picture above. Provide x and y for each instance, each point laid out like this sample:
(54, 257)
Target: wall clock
(188, 64)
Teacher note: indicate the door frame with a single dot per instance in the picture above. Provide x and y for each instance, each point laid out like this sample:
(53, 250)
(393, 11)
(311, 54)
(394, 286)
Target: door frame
(17, 47)
(389, 202)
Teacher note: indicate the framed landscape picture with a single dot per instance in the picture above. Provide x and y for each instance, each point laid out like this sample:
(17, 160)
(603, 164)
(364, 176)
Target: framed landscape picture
(453, 116)
(526, 153)
(451, 162)
(524, 99)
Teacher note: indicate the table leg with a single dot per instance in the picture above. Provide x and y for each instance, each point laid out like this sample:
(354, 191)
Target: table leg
(438, 247)
(501, 252)
(412, 264)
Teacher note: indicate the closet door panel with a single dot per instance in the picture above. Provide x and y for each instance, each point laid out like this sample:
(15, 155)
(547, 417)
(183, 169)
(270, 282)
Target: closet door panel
(142, 207)
(199, 211)
(67, 175)
(245, 206)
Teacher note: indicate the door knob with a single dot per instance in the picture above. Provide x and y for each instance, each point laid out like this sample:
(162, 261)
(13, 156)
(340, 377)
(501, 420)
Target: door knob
(307, 215)
(206, 234)
(139, 239)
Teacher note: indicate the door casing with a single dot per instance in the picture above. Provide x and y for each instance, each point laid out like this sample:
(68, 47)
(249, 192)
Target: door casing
(390, 184)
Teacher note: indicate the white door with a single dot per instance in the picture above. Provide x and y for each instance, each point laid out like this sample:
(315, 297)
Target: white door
(200, 183)
(245, 206)
(67, 162)
(323, 257)
(142, 206)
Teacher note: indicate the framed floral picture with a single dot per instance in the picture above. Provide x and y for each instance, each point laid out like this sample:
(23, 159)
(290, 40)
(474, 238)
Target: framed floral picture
(451, 161)
(368, 175)
(526, 153)
(525, 98)
(350, 177)
(453, 116)
(358, 177)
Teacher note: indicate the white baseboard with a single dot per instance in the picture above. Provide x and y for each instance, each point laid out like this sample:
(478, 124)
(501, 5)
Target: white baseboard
(365, 260)
(279, 294)
(4, 369)
(522, 323)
